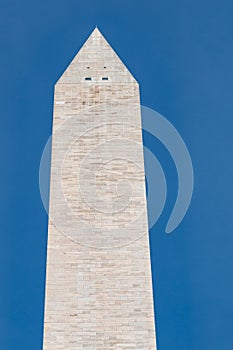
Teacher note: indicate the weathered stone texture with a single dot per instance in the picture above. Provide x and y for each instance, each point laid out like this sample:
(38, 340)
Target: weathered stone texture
(98, 281)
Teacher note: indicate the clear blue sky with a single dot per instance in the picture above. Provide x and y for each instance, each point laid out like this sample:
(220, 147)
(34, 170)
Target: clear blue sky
(181, 53)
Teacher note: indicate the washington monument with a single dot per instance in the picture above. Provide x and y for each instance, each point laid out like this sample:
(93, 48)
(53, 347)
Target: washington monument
(98, 274)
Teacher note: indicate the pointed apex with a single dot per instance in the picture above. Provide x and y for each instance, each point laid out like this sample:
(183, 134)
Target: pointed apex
(95, 32)
(96, 61)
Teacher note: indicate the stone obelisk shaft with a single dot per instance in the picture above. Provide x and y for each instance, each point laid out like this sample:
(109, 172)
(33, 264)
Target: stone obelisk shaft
(98, 277)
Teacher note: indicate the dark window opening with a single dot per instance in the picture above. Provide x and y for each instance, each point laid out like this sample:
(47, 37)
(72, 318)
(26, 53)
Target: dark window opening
(88, 78)
(105, 67)
(105, 78)
(88, 67)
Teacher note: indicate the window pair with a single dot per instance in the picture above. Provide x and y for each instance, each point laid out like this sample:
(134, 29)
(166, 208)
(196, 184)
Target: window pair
(103, 78)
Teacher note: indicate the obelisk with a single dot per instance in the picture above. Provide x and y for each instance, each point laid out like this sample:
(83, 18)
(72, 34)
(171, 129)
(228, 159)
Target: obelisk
(98, 272)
